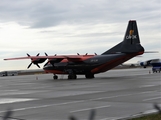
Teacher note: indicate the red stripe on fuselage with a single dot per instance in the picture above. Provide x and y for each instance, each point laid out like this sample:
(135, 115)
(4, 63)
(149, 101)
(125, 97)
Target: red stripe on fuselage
(114, 63)
(55, 71)
(82, 58)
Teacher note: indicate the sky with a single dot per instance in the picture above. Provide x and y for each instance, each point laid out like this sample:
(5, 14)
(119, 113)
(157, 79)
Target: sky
(74, 26)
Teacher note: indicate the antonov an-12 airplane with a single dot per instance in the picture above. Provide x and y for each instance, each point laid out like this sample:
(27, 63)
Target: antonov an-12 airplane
(89, 65)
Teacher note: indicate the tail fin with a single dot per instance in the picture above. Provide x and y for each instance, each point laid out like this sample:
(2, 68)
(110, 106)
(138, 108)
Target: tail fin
(130, 43)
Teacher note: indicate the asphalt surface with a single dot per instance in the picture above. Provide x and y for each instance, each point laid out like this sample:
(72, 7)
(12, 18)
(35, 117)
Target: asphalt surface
(114, 94)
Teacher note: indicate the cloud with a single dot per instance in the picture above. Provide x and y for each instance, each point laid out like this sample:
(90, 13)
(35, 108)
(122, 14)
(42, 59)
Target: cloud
(40, 14)
(71, 26)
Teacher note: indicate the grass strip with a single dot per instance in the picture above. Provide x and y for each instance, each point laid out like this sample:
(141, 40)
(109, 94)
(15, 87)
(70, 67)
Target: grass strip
(155, 116)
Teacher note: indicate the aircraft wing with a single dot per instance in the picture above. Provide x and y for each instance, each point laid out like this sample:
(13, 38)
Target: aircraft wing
(35, 57)
(68, 57)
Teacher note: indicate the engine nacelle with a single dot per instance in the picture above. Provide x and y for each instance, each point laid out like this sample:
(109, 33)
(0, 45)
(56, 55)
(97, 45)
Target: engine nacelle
(36, 61)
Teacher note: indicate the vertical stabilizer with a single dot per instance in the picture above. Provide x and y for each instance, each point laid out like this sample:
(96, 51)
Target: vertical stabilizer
(131, 35)
(130, 43)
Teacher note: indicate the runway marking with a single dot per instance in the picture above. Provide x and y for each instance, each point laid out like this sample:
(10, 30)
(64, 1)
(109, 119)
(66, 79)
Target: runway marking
(73, 102)
(148, 92)
(81, 110)
(43, 106)
(151, 99)
(147, 86)
(18, 92)
(111, 118)
(121, 95)
(13, 100)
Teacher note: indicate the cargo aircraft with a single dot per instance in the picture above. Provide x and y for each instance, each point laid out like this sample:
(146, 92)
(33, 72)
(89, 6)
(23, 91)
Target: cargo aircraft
(89, 65)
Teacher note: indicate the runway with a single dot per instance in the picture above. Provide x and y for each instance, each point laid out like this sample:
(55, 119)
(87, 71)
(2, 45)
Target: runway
(114, 94)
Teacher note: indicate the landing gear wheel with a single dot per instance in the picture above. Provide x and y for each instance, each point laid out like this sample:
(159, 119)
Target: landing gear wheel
(72, 76)
(89, 76)
(55, 77)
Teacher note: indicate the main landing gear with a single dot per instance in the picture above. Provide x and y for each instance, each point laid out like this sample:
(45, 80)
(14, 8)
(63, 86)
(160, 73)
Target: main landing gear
(89, 75)
(70, 76)
(55, 77)
(73, 76)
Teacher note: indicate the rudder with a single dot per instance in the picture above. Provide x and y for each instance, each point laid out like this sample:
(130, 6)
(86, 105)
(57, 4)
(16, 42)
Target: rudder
(130, 43)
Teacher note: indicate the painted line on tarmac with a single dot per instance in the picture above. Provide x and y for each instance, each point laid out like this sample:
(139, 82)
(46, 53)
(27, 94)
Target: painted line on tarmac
(86, 109)
(72, 102)
(13, 100)
(19, 92)
(43, 106)
(151, 98)
(143, 86)
(146, 92)
(110, 118)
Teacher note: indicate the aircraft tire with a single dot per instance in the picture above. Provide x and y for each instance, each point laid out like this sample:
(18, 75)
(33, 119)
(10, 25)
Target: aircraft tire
(89, 76)
(55, 77)
(72, 76)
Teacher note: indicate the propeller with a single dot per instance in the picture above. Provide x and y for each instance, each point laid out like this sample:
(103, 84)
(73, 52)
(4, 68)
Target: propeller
(48, 60)
(33, 61)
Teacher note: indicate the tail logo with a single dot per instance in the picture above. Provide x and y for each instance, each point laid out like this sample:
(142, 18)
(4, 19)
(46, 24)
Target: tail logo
(131, 32)
(131, 36)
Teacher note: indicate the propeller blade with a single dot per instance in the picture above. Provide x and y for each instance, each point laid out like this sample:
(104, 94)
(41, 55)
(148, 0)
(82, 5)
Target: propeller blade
(46, 54)
(38, 54)
(29, 65)
(38, 66)
(28, 55)
(46, 63)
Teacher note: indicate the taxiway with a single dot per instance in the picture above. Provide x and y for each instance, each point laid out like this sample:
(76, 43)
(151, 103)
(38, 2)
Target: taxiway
(113, 94)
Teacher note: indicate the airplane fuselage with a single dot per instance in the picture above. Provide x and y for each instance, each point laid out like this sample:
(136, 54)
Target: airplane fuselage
(91, 64)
